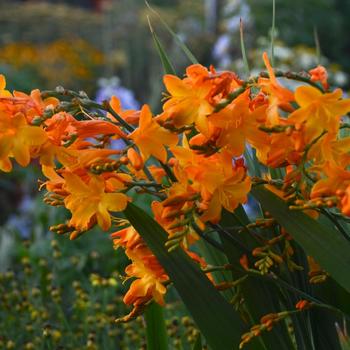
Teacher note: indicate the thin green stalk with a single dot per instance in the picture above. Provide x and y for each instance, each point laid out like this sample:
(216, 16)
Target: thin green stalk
(156, 333)
(244, 55)
(168, 172)
(178, 41)
(211, 241)
(273, 32)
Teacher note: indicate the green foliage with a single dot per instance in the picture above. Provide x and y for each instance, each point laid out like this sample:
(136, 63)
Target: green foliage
(305, 16)
(325, 244)
(155, 327)
(210, 311)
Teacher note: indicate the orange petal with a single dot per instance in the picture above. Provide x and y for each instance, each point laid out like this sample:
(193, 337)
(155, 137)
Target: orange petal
(305, 95)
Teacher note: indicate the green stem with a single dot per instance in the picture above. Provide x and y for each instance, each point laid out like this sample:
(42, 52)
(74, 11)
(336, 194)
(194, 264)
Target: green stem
(168, 171)
(273, 32)
(274, 278)
(156, 333)
(210, 240)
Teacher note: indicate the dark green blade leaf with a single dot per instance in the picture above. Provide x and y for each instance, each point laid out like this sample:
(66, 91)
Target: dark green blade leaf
(326, 245)
(325, 333)
(178, 41)
(259, 298)
(215, 317)
(214, 257)
(155, 328)
(167, 65)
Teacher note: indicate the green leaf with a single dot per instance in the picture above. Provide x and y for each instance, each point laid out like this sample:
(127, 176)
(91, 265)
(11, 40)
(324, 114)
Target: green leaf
(214, 316)
(178, 41)
(273, 30)
(167, 65)
(329, 248)
(244, 55)
(215, 257)
(155, 328)
(260, 298)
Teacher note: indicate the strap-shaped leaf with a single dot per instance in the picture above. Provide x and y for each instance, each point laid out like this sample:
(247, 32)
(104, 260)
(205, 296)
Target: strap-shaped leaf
(177, 39)
(214, 316)
(259, 298)
(166, 62)
(155, 328)
(330, 249)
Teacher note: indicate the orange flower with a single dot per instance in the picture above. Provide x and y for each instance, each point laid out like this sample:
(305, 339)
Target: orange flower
(149, 274)
(335, 184)
(3, 92)
(130, 116)
(320, 112)
(32, 105)
(88, 201)
(91, 128)
(17, 139)
(219, 182)
(331, 150)
(151, 138)
(237, 124)
(150, 277)
(283, 150)
(170, 213)
(128, 238)
(188, 104)
(336, 179)
(229, 194)
(345, 201)
(55, 182)
(278, 95)
(135, 159)
(74, 159)
(319, 74)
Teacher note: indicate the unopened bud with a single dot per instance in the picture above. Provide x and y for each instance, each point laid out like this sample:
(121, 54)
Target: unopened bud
(135, 159)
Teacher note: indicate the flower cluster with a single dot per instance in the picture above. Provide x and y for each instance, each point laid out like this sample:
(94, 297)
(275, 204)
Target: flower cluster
(191, 159)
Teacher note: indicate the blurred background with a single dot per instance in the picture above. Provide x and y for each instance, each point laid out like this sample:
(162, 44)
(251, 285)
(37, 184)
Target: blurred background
(104, 47)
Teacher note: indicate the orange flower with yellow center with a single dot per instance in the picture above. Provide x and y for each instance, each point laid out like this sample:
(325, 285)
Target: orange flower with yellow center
(320, 112)
(237, 124)
(17, 139)
(88, 201)
(220, 183)
(279, 96)
(151, 138)
(150, 277)
(188, 103)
